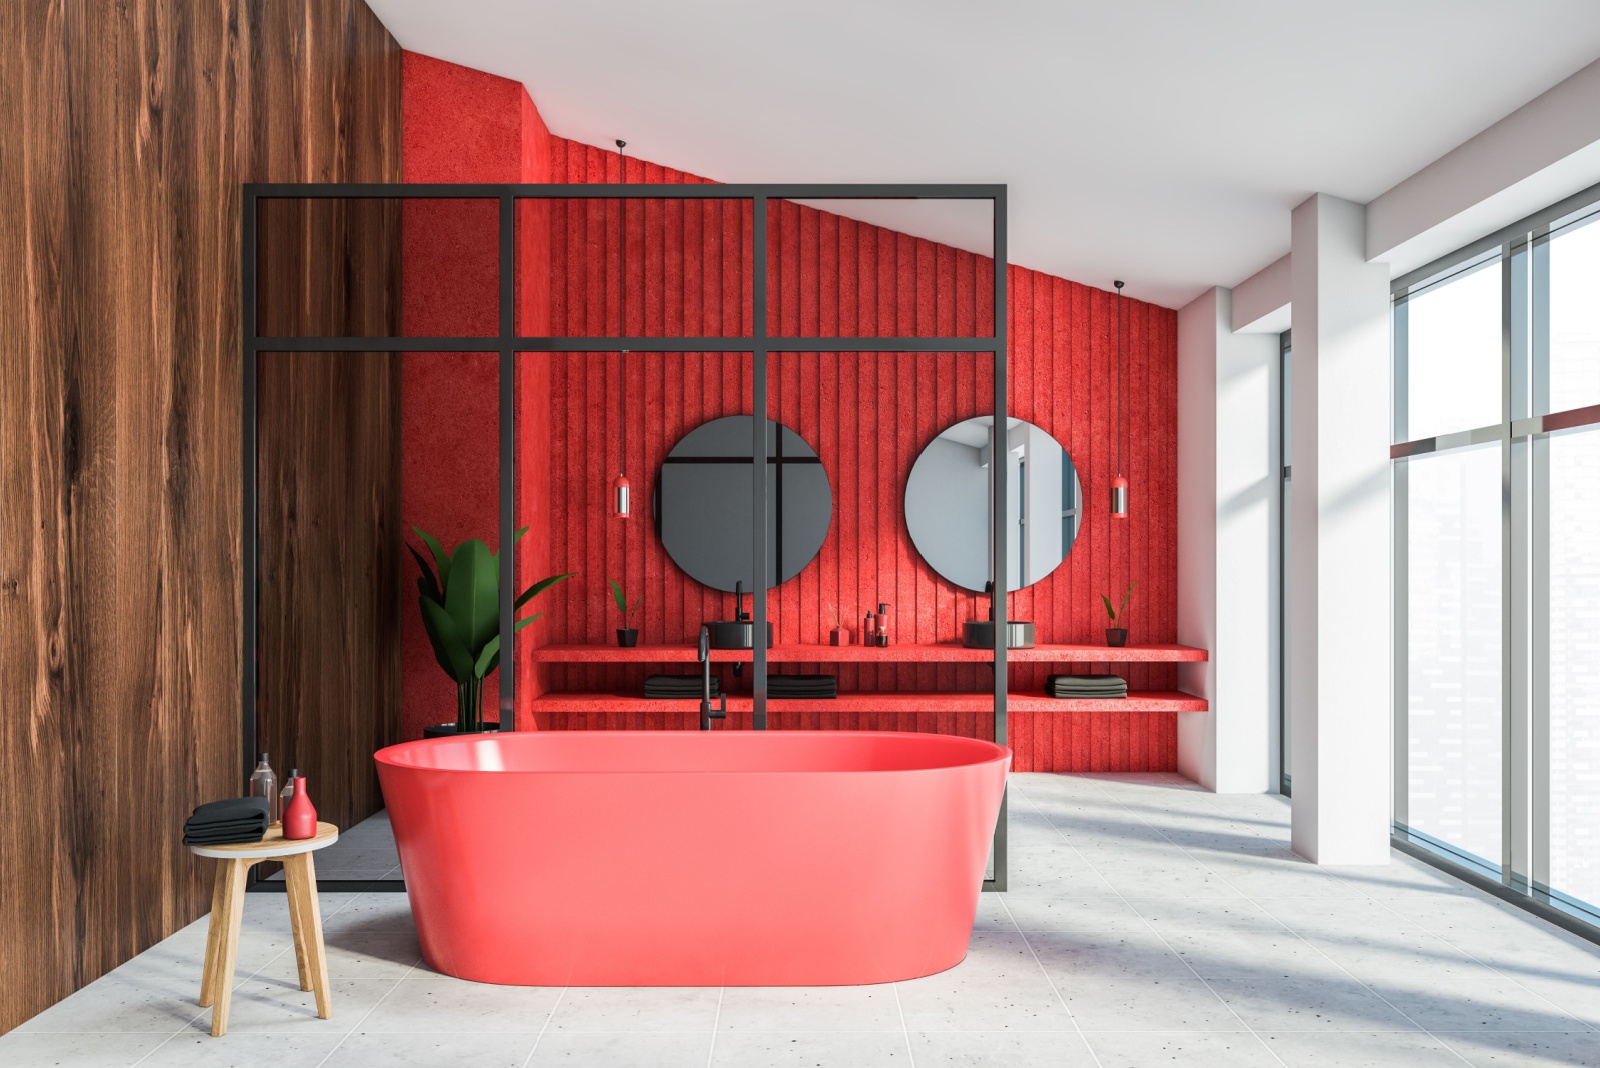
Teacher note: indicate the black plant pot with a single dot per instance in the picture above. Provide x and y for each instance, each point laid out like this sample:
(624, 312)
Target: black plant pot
(448, 730)
(627, 637)
(1117, 637)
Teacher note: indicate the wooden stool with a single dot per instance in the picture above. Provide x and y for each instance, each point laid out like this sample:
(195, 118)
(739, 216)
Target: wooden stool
(227, 911)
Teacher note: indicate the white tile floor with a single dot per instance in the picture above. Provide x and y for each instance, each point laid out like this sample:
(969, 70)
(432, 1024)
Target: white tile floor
(1148, 923)
(365, 851)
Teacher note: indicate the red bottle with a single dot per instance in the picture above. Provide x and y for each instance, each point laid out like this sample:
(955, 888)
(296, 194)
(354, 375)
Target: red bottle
(299, 818)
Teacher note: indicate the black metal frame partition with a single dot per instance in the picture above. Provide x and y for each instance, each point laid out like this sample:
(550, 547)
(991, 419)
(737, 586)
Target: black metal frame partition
(759, 344)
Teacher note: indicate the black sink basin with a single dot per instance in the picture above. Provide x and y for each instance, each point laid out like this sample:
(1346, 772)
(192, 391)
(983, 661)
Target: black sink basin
(979, 634)
(735, 634)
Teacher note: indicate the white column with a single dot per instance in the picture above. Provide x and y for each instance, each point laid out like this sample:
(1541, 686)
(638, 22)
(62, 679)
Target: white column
(1227, 567)
(1338, 633)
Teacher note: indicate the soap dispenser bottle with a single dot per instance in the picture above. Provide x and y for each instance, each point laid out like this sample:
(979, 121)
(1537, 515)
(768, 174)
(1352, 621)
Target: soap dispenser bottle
(882, 623)
(263, 783)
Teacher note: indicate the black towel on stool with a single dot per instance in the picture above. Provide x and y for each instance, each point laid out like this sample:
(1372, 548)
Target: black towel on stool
(677, 687)
(236, 819)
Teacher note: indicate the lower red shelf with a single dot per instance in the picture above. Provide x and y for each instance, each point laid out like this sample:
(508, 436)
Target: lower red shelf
(898, 701)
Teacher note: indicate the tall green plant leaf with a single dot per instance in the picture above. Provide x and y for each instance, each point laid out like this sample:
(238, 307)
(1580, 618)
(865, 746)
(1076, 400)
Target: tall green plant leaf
(489, 659)
(539, 587)
(1126, 596)
(1112, 612)
(427, 584)
(448, 647)
(472, 594)
(616, 595)
(441, 559)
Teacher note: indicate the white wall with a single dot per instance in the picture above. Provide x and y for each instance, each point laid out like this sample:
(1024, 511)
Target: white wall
(1227, 483)
(1338, 633)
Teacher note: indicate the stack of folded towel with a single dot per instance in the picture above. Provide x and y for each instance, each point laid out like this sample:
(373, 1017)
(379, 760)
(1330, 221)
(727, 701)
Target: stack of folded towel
(676, 687)
(238, 819)
(803, 687)
(1077, 687)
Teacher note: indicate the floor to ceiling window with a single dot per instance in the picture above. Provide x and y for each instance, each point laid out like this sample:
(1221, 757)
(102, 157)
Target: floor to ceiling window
(1497, 557)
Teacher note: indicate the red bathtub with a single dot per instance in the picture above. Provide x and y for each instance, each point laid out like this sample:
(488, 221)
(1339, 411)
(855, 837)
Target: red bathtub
(656, 858)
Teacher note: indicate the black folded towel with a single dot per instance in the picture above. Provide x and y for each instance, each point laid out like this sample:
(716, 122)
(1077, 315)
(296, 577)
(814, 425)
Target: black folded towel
(792, 687)
(235, 819)
(1086, 686)
(677, 687)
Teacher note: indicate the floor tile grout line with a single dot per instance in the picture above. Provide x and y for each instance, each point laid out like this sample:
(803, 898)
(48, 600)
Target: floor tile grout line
(1296, 934)
(716, 1024)
(186, 1025)
(374, 1007)
(905, 1029)
(1093, 1055)
(1477, 959)
(1223, 1001)
(551, 1015)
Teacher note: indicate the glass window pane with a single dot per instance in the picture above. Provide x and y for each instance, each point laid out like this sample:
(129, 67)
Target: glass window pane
(1453, 645)
(1453, 356)
(1574, 685)
(1574, 319)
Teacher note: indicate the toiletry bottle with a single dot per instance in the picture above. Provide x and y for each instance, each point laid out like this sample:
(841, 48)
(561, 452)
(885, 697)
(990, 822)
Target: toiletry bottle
(299, 818)
(263, 783)
(288, 790)
(869, 630)
(883, 625)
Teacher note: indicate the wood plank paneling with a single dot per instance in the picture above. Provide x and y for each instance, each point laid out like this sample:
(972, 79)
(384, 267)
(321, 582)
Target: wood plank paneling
(869, 416)
(126, 128)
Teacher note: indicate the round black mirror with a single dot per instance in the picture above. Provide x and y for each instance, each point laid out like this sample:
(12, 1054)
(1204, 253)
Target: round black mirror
(703, 496)
(948, 495)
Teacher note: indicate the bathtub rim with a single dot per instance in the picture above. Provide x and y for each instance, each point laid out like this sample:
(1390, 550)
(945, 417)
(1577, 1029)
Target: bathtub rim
(998, 754)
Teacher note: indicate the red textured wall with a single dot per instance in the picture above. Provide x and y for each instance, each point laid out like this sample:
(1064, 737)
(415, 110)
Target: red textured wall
(461, 125)
(868, 415)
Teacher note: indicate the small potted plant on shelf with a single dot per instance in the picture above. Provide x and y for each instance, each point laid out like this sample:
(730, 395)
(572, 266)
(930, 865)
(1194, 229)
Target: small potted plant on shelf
(840, 635)
(460, 604)
(1115, 635)
(627, 637)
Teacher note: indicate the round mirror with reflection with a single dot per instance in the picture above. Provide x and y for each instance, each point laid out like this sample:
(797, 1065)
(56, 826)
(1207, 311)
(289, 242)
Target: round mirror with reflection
(948, 495)
(702, 504)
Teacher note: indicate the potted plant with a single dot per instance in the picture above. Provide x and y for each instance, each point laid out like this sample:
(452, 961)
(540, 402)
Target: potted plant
(1115, 635)
(627, 637)
(460, 604)
(840, 635)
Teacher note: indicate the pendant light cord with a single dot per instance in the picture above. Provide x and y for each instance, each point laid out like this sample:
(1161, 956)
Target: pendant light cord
(1118, 284)
(622, 301)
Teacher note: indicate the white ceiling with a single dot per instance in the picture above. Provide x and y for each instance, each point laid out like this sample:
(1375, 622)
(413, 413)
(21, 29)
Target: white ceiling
(1163, 142)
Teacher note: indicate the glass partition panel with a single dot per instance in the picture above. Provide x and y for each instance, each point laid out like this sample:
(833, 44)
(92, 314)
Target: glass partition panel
(1453, 648)
(1573, 679)
(1452, 355)
(1574, 368)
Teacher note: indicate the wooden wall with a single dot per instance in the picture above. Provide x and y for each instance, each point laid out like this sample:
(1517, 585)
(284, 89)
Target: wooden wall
(126, 127)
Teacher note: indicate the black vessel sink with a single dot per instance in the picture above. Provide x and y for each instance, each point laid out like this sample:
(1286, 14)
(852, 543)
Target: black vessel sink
(735, 634)
(979, 634)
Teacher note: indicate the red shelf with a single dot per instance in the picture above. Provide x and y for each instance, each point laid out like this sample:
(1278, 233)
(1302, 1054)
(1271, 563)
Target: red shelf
(944, 652)
(893, 701)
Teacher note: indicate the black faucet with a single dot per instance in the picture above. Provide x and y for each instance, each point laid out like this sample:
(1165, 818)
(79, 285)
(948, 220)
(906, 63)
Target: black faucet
(706, 712)
(739, 614)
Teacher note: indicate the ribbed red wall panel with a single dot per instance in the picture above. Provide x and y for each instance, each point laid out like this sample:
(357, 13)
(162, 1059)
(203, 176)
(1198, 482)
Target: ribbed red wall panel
(868, 415)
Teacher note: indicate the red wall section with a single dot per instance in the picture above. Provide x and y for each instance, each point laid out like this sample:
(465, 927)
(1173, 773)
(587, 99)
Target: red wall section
(461, 125)
(869, 416)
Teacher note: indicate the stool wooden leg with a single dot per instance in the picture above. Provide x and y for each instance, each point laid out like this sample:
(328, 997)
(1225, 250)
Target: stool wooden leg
(214, 933)
(228, 950)
(297, 927)
(307, 914)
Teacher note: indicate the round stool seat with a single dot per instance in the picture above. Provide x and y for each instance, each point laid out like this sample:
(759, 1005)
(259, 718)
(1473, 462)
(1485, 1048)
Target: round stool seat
(270, 847)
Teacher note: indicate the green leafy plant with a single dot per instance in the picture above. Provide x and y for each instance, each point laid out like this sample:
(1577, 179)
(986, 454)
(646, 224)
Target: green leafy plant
(460, 604)
(628, 610)
(1117, 611)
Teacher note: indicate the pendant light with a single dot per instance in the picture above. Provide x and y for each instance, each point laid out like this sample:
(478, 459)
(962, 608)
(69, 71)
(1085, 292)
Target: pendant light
(1119, 485)
(621, 490)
